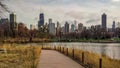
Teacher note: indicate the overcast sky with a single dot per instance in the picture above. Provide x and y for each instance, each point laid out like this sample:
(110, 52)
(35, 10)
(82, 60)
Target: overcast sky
(87, 12)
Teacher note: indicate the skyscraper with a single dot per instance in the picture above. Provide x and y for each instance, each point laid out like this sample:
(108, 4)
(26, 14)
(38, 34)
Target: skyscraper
(75, 23)
(73, 28)
(32, 27)
(4, 20)
(113, 26)
(80, 27)
(63, 29)
(50, 20)
(104, 21)
(118, 24)
(58, 29)
(51, 27)
(58, 24)
(66, 27)
(41, 20)
(13, 23)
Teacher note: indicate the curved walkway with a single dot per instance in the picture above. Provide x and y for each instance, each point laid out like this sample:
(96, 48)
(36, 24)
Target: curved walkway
(54, 59)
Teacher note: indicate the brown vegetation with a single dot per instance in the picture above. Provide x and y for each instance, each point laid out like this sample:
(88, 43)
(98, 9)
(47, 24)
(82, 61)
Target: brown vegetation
(87, 59)
(18, 56)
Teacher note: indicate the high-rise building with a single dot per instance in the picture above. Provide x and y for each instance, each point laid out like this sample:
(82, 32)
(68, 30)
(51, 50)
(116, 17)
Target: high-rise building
(80, 27)
(63, 30)
(118, 24)
(58, 29)
(73, 28)
(32, 27)
(13, 23)
(104, 21)
(50, 20)
(98, 27)
(113, 26)
(41, 20)
(51, 27)
(58, 24)
(75, 23)
(66, 27)
(4, 20)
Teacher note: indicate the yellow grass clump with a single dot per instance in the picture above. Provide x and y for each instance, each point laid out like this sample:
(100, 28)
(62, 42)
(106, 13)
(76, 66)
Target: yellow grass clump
(91, 60)
(18, 56)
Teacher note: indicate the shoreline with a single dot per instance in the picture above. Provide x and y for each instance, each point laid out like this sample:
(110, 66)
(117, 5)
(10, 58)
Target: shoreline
(86, 58)
(51, 41)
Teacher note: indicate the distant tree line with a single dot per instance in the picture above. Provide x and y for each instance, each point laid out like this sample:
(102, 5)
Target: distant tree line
(21, 32)
(92, 34)
(43, 32)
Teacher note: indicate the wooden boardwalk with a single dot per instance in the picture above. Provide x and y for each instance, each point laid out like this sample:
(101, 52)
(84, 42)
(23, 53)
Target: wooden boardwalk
(54, 59)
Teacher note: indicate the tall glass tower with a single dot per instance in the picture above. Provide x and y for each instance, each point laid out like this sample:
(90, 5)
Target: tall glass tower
(104, 21)
(13, 24)
(66, 27)
(41, 20)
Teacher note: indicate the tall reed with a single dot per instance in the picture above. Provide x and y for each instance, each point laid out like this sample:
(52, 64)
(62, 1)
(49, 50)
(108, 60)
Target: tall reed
(19, 56)
(88, 59)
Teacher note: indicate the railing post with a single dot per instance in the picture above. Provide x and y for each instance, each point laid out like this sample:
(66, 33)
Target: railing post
(51, 47)
(60, 48)
(100, 63)
(73, 53)
(42, 46)
(63, 50)
(67, 51)
(83, 57)
(57, 48)
(54, 47)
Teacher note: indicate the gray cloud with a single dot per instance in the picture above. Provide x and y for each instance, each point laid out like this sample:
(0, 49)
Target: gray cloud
(76, 14)
(61, 10)
(93, 21)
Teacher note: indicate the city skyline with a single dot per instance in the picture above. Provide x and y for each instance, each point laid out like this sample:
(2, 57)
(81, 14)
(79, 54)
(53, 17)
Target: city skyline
(65, 10)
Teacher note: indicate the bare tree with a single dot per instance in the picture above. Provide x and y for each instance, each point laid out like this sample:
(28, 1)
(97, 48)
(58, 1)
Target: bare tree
(3, 9)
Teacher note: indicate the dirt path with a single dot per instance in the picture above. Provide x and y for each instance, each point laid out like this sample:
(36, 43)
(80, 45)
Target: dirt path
(54, 59)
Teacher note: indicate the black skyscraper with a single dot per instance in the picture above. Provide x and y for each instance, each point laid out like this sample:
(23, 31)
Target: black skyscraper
(113, 26)
(66, 27)
(104, 21)
(41, 20)
(13, 24)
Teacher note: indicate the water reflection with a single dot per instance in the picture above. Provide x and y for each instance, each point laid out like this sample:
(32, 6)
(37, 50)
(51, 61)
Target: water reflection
(109, 49)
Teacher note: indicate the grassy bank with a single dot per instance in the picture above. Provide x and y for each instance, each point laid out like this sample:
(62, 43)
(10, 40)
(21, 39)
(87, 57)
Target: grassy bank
(18, 56)
(24, 40)
(39, 40)
(87, 59)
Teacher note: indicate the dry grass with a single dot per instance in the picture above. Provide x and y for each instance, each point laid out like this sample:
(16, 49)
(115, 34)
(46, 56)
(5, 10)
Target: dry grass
(18, 56)
(90, 59)
(70, 52)
(110, 63)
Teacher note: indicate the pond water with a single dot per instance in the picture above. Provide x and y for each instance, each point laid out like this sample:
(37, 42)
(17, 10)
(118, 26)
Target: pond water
(109, 49)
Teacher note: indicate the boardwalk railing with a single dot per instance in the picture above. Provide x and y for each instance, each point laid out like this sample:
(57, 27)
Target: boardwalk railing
(85, 58)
